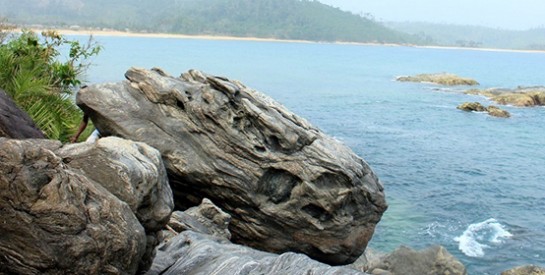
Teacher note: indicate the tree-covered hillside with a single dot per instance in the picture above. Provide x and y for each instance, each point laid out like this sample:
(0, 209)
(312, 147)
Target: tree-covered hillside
(474, 36)
(282, 19)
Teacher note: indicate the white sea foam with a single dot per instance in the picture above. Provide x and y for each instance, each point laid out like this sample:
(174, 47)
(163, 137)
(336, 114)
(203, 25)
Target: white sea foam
(477, 237)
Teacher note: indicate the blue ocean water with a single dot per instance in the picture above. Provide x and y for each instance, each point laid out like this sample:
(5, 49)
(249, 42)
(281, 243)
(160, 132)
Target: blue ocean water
(470, 182)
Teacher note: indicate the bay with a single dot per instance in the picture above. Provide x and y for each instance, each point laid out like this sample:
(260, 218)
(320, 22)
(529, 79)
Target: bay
(467, 181)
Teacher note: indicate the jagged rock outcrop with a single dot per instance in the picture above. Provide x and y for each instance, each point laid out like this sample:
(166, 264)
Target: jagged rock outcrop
(525, 270)
(478, 107)
(206, 218)
(56, 216)
(404, 260)
(439, 78)
(14, 122)
(287, 186)
(194, 253)
(521, 97)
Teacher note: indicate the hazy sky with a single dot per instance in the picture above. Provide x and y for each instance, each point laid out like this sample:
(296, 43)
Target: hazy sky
(506, 14)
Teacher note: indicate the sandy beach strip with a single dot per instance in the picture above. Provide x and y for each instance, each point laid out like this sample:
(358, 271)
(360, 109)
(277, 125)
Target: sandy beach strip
(115, 33)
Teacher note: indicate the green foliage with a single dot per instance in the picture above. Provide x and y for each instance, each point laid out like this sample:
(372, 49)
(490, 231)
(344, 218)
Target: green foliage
(41, 84)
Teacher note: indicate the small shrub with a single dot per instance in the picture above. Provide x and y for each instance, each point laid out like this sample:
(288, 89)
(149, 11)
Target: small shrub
(39, 82)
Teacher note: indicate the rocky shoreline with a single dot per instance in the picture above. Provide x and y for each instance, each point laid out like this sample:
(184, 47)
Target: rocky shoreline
(264, 192)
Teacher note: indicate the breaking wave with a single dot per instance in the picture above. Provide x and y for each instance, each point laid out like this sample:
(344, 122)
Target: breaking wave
(479, 236)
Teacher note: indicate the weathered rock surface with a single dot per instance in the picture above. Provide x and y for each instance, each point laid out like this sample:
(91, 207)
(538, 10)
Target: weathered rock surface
(194, 253)
(14, 122)
(439, 78)
(206, 218)
(134, 173)
(521, 97)
(478, 107)
(287, 186)
(525, 270)
(433, 260)
(59, 219)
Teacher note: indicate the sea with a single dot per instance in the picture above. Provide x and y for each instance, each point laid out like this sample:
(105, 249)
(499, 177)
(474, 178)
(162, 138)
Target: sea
(472, 183)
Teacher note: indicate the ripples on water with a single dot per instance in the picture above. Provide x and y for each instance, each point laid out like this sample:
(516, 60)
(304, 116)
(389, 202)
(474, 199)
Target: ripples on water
(443, 169)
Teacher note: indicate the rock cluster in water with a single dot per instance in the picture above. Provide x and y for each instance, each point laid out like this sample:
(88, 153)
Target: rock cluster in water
(439, 78)
(478, 107)
(520, 97)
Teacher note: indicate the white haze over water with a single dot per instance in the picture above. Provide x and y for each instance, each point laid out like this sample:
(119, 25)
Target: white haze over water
(505, 14)
(477, 237)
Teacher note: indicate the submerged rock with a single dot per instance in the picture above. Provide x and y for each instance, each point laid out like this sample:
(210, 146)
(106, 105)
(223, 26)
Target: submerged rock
(497, 112)
(478, 107)
(57, 217)
(440, 78)
(404, 260)
(14, 122)
(472, 107)
(286, 185)
(521, 97)
(193, 253)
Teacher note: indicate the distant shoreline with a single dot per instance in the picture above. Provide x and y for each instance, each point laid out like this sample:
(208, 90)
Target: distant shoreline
(115, 33)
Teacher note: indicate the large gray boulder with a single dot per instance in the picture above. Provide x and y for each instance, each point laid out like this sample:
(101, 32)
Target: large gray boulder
(287, 185)
(57, 218)
(192, 253)
(14, 122)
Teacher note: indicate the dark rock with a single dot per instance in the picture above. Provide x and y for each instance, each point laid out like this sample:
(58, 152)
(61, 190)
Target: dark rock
(53, 220)
(433, 260)
(525, 270)
(14, 122)
(287, 186)
(194, 253)
(440, 78)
